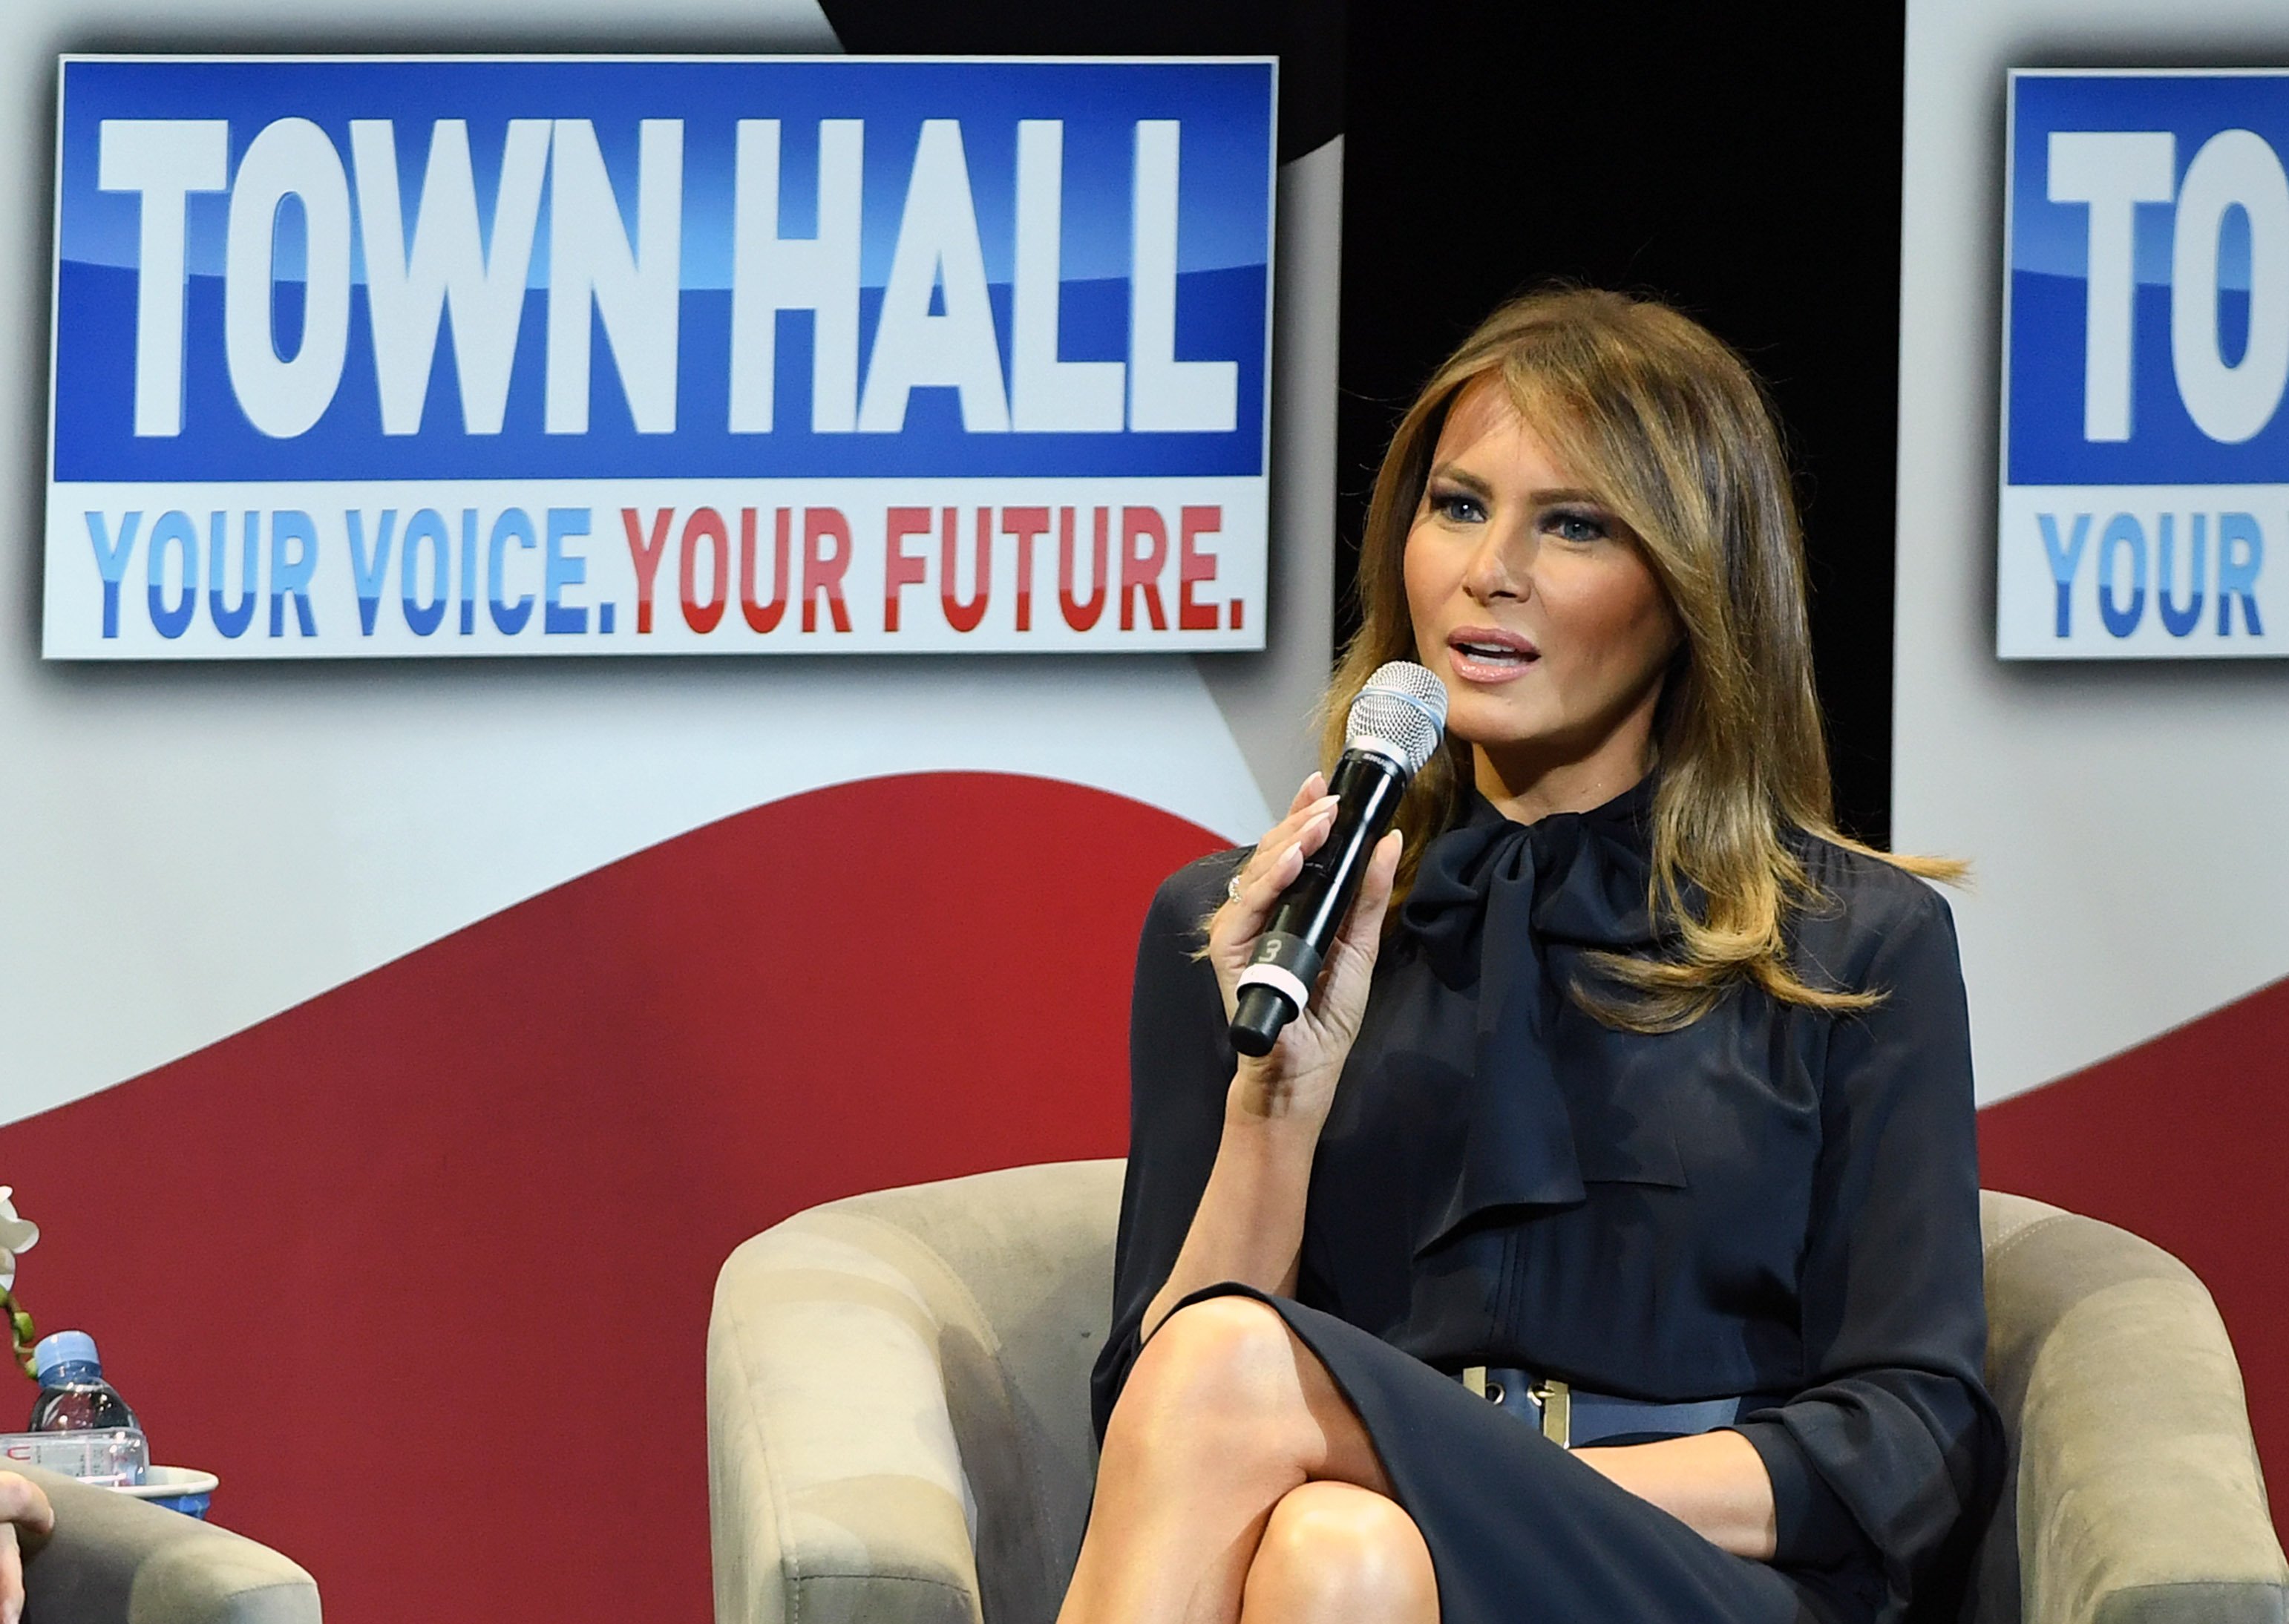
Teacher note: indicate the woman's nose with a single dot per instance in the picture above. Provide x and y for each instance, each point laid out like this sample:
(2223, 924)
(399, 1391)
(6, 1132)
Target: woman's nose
(1500, 567)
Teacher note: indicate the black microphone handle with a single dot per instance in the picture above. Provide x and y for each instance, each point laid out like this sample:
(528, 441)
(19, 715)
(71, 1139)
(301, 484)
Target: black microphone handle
(1287, 957)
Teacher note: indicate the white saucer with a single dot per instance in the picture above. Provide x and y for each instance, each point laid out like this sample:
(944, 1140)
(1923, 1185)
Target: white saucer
(171, 1483)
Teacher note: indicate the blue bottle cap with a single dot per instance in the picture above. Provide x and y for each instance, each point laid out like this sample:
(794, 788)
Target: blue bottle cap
(64, 1347)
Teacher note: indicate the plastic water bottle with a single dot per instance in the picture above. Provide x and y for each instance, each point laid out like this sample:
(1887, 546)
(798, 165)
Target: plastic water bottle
(73, 1396)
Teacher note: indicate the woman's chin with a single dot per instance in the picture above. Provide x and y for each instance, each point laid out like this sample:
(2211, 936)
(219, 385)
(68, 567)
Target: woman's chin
(1496, 720)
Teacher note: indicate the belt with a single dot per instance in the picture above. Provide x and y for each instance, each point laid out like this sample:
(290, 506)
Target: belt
(1571, 1418)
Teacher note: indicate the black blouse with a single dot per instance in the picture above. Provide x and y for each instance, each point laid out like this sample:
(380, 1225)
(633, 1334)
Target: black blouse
(1773, 1200)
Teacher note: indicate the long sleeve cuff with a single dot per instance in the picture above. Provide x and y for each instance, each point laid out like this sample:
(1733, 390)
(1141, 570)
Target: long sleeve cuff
(1812, 1527)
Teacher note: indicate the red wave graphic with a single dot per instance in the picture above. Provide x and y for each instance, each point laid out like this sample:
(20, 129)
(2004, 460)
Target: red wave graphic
(2180, 1140)
(422, 1267)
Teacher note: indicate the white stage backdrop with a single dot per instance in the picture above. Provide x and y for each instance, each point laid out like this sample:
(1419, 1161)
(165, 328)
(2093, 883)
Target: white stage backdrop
(2126, 819)
(385, 1010)
(2118, 789)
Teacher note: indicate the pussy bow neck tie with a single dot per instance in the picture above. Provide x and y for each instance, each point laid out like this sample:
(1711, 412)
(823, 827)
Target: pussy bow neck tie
(1491, 899)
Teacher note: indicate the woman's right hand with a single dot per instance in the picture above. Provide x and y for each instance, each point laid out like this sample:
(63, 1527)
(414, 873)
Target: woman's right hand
(1298, 1079)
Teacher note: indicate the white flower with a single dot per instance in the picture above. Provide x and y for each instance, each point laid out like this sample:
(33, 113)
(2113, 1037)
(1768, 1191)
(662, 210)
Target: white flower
(16, 1235)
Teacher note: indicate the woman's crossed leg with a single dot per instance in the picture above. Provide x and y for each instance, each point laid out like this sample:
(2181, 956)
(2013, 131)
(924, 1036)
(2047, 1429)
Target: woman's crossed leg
(1237, 1484)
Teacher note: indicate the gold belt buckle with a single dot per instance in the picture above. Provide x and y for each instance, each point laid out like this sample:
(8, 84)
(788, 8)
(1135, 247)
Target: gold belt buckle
(1552, 1399)
(1557, 1402)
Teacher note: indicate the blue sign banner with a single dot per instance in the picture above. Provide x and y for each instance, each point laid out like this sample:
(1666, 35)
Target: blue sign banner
(383, 348)
(2145, 467)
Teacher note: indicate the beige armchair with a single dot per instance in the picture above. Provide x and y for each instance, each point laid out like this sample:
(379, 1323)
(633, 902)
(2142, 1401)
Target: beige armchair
(898, 1417)
(113, 1560)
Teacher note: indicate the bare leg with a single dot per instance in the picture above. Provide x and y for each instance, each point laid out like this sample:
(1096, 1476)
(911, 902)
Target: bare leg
(1334, 1554)
(1225, 1415)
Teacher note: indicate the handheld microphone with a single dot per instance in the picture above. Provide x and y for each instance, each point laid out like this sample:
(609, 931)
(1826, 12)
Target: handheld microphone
(1394, 725)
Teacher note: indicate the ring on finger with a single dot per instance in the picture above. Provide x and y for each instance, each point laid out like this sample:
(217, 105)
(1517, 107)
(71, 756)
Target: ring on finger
(1232, 888)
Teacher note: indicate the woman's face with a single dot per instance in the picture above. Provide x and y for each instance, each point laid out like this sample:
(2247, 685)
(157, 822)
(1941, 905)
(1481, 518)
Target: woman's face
(1535, 605)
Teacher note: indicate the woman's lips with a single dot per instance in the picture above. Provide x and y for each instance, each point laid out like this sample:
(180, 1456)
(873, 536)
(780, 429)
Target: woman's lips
(1488, 654)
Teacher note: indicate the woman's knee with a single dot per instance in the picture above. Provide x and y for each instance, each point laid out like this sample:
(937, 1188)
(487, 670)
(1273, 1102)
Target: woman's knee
(1221, 1351)
(1333, 1551)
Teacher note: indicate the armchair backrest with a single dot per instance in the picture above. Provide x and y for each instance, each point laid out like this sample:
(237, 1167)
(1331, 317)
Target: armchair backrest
(2133, 1491)
(899, 1380)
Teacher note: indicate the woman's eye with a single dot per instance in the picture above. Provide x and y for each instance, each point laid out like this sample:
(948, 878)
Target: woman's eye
(1457, 507)
(1570, 525)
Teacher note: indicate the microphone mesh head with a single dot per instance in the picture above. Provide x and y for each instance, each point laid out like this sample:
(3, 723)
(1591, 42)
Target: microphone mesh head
(1401, 714)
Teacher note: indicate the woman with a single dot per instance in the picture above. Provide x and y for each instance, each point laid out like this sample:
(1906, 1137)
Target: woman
(1652, 1085)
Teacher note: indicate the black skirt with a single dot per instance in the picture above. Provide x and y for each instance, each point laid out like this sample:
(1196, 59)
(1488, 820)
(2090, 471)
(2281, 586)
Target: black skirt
(1520, 1531)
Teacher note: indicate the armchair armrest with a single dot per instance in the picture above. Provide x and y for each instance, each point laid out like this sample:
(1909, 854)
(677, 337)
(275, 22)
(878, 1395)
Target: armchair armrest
(2135, 1491)
(115, 1560)
(835, 1477)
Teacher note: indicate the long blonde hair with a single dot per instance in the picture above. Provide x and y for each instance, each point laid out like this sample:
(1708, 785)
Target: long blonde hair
(1674, 432)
